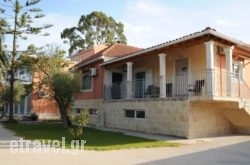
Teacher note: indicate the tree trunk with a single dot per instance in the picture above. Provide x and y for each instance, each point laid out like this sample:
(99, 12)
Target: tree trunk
(11, 95)
(13, 68)
(64, 121)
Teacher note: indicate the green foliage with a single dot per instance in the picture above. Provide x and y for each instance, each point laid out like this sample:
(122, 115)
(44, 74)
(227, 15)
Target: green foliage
(64, 85)
(22, 16)
(78, 123)
(19, 93)
(93, 29)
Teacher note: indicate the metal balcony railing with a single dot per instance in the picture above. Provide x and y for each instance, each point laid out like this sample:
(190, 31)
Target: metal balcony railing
(200, 83)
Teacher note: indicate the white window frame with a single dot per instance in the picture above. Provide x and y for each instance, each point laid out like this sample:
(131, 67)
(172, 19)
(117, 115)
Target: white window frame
(135, 114)
(91, 88)
(240, 74)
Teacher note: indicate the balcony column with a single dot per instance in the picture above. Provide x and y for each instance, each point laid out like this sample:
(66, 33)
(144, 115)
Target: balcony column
(25, 111)
(229, 65)
(162, 61)
(129, 80)
(210, 82)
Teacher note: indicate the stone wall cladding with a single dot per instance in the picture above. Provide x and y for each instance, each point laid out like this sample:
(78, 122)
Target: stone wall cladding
(161, 116)
(87, 104)
(206, 120)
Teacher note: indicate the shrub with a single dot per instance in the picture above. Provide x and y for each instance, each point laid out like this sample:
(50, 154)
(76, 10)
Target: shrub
(33, 116)
(78, 123)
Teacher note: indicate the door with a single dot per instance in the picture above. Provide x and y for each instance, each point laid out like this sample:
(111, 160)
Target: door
(139, 84)
(181, 77)
(116, 85)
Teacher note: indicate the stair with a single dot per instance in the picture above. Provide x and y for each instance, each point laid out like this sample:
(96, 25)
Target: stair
(239, 117)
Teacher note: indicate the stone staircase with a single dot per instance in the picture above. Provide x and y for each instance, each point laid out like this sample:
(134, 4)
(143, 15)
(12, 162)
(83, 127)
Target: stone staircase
(239, 117)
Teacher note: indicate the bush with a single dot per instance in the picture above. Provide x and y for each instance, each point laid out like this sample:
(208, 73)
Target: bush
(78, 123)
(33, 116)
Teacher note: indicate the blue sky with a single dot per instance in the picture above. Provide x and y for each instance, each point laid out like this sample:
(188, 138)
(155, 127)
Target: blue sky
(150, 22)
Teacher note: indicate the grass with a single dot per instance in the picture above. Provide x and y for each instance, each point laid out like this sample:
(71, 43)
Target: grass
(95, 139)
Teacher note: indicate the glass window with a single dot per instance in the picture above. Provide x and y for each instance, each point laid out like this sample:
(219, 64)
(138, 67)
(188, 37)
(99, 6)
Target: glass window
(237, 70)
(93, 111)
(78, 110)
(130, 113)
(140, 114)
(86, 82)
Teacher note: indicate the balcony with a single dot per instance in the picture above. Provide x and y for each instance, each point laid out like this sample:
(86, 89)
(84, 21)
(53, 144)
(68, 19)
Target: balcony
(207, 84)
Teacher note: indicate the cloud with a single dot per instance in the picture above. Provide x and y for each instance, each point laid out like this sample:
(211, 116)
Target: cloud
(151, 22)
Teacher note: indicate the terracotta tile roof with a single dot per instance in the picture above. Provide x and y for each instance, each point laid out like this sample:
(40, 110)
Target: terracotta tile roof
(206, 31)
(114, 50)
(118, 50)
(95, 49)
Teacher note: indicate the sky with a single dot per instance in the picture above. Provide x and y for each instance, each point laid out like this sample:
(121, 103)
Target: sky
(149, 22)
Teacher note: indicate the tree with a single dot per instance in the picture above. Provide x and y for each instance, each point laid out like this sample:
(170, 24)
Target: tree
(20, 28)
(64, 85)
(55, 80)
(93, 29)
(3, 57)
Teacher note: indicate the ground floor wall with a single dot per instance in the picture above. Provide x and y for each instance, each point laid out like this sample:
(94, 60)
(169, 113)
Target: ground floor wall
(182, 118)
(161, 117)
(90, 105)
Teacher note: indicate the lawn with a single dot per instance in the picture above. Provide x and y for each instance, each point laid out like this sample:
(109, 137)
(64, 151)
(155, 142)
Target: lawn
(95, 139)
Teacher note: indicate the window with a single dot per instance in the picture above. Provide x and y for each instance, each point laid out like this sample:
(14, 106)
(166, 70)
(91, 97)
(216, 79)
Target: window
(86, 82)
(139, 114)
(93, 111)
(77, 110)
(237, 69)
(130, 113)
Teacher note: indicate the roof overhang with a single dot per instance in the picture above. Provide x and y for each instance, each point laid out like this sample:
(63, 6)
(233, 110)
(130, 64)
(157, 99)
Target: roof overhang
(80, 65)
(207, 32)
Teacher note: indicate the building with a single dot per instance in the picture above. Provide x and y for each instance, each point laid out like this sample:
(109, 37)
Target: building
(91, 95)
(194, 86)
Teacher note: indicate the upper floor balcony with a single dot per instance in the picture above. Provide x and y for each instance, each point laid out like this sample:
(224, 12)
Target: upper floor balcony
(201, 85)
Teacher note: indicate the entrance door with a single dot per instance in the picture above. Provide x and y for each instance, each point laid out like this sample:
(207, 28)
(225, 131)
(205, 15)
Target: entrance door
(116, 85)
(181, 77)
(139, 84)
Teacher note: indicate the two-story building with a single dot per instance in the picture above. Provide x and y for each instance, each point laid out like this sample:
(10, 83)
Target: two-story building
(91, 95)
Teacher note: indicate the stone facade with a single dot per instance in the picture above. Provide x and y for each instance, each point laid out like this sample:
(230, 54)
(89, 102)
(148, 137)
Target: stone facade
(206, 119)
(161, 116)
(91, 104)
(181, 117)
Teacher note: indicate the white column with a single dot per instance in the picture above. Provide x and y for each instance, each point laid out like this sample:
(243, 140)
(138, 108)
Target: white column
(18, 109)
(229, 66)
(25, 111)
(162, 61)
(210, 81)
(129, 80)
